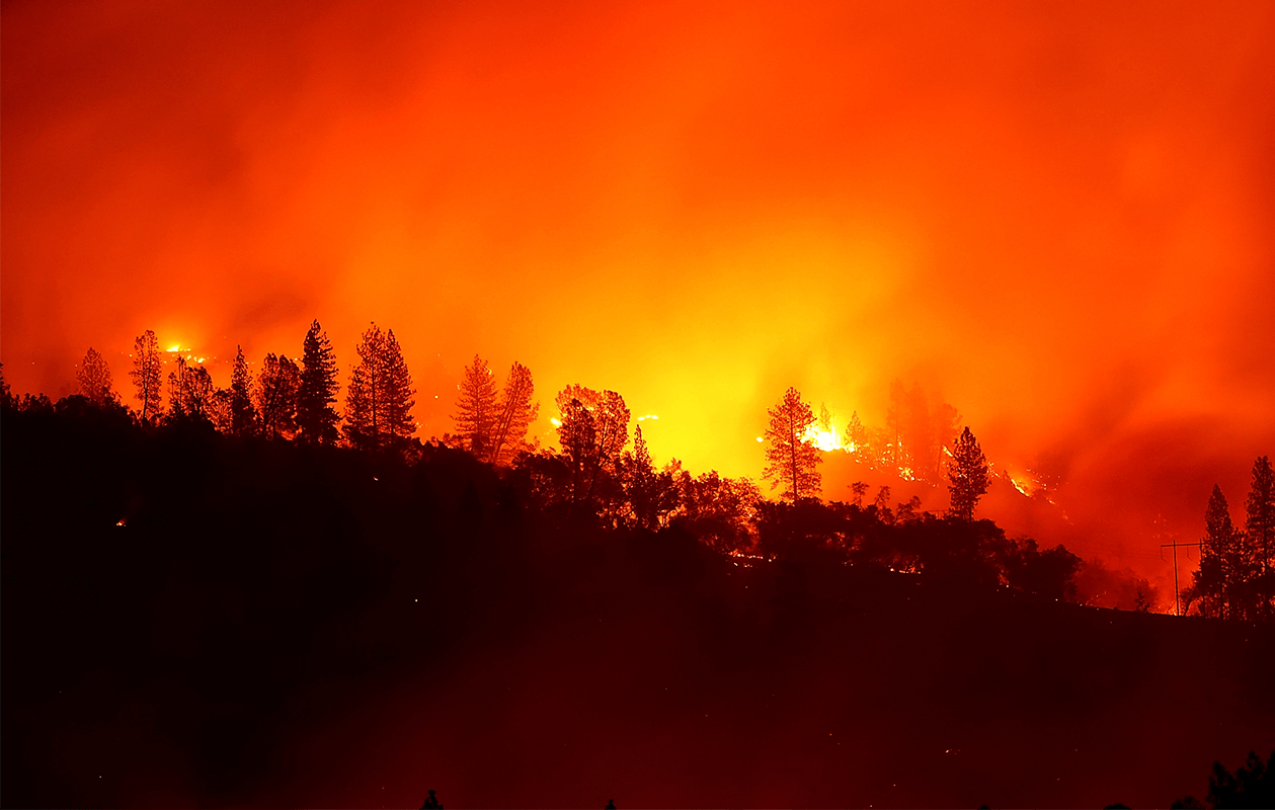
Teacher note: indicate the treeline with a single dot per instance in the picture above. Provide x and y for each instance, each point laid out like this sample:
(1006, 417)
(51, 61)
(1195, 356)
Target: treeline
(602, 477)
(1236, 577)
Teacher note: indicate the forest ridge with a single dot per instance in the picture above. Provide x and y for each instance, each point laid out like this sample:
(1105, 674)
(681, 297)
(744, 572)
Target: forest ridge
(594, 475)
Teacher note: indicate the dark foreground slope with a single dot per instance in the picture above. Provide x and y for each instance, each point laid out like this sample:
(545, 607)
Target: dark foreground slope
(275, 626)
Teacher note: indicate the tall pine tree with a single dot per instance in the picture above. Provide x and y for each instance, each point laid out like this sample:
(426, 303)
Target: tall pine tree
(516, 413)
(316, 418)
(146, 374)
(399, 393)
(1259, 530)
(94, 377)
(792, 462)
(477, 412)
(968, 475)
(243, 414)
(1221, 568)
(379, 397)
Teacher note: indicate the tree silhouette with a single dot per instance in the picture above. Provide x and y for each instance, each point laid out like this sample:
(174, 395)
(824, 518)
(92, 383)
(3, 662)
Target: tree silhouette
(6, 396)
(94, 378)
(1259, 530)
(791, 462)
(1221, 569)
(190, 390)
(477, 412)
(593, 430)
(146, 374)
(1252, 785)
(399, 423)
(243, 414)
(277, 387)
(859, 488)
(718, 510)
(317, 389)
(516, 413)
(379, 398)
(968, 475)
(651, 494)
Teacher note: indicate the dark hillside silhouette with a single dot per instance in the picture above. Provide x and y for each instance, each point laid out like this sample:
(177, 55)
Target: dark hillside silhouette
(206, 619)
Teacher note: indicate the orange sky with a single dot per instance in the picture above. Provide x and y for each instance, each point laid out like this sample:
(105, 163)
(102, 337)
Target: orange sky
(1058, 215)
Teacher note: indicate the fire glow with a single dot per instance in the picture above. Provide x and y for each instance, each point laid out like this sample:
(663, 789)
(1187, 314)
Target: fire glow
(730, 200)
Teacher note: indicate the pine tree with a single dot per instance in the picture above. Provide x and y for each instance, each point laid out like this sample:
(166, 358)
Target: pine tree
(316, 418)
(516, 412)
(1220, 567)
(277, 387)
(94, 377)
(1259, 530)
(379, 397)
(968, 475)
(791, 462)
(399, 423)
(146, 374)
(243, 414)
(476, 414)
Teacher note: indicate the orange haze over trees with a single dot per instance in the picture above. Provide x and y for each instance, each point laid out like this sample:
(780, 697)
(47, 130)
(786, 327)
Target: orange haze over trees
(1056, 216)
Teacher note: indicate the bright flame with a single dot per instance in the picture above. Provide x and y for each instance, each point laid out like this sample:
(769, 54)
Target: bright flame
(555, 422)
(828, 439)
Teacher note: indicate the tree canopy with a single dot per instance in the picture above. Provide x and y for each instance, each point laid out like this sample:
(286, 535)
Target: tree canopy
(791, 461)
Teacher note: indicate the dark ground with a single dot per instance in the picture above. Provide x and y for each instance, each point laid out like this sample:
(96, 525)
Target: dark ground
(275, 626)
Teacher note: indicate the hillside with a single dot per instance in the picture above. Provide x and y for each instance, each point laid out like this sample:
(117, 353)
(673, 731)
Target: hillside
(277, 626)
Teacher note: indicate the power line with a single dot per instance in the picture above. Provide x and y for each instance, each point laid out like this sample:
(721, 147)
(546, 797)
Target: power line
(1175, 545)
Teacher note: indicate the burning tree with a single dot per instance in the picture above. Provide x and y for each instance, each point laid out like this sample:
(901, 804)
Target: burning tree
(968, 475)
(317, 388)
(94, 377)
(379, 401)
(146, 373)
(791, 461)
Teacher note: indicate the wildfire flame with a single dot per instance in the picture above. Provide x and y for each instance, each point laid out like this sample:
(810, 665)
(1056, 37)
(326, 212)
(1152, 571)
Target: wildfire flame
(825, 439)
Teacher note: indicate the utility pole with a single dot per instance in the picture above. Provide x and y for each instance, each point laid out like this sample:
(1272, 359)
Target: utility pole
(1175, 545)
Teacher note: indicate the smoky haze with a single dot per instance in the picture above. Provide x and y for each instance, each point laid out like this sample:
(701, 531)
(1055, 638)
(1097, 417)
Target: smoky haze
(1056, 217)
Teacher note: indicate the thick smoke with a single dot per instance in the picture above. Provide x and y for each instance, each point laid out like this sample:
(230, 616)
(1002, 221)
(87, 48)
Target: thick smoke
(1056, 217)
